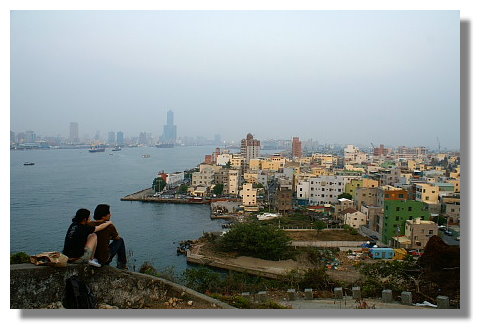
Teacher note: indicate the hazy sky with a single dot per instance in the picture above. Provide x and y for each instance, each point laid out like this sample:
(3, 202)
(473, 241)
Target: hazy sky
(388, 77)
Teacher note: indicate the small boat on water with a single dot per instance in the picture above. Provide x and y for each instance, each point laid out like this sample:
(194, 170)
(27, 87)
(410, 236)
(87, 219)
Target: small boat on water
(95, 149)
(145, 156)
(116, 148)
(29, 163)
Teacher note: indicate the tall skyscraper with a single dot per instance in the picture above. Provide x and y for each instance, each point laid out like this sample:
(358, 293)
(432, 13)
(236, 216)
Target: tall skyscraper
(30, 137)
(74, 132)
(169, 130)
(296, 148)
(111, 138)
(120, 140)
(250, 148)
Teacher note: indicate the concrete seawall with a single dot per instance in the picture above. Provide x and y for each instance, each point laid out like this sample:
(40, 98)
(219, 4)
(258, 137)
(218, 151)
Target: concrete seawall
(145, 195)
(33, 287)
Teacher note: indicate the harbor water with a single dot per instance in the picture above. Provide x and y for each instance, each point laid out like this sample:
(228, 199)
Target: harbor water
(44, 197)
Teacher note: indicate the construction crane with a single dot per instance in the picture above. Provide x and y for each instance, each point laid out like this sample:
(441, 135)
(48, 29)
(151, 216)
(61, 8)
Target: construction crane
(373, 148)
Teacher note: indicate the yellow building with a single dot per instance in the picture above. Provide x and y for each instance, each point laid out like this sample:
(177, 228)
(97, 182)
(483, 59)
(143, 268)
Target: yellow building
(273, 164)
(305, 160)
(255, 164)
(248, 195)
(233, 181)
(318, 171)
(456, 184)
(427, 193)
(251, 176)
(360, 183)
(237, 160)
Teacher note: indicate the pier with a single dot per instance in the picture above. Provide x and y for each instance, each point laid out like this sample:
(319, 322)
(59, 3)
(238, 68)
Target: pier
(146, 195)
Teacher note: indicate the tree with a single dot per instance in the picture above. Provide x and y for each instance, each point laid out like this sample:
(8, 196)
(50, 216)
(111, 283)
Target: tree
(228, 165)
(158, 184)
(218, 189)
(183, 189)
(345, 195)
(253, 239)
(320, 225)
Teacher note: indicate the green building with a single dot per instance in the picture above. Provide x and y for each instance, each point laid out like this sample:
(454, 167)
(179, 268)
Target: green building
(396, 212)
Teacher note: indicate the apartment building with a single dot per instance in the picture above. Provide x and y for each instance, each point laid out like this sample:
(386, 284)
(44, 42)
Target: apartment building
(416, 234)
(248, 194)
(427, 193)
(395, 214)
(205, 175)
(324, 189)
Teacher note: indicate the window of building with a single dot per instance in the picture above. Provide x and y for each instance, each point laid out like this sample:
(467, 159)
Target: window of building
(430, 232)
(401, 195)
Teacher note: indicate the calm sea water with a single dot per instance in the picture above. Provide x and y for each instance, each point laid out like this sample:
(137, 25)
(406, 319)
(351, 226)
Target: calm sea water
(45, 197)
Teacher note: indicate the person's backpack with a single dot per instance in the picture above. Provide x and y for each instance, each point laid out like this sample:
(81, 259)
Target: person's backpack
(78, 295)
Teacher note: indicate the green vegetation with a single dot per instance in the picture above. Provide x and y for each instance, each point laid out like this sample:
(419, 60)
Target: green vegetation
(257, 240)
(395, 275)
(345, 195)
(350, 229)
(158, 184)
(183, 189)
(218, 189)
(18, 258)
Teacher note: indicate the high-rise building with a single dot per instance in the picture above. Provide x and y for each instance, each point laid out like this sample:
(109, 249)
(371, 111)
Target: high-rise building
(111, 138)
(120, 141)
(74, 132)
(12, 137)
(169, 130)
(143, 138)
(30, 137)
(250, 147)
(296, 148)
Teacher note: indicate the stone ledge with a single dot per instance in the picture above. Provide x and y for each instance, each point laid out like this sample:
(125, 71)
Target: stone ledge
(33, 287)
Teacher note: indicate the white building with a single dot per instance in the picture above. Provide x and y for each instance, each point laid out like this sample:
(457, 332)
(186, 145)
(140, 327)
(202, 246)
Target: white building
(223, 159)
(172, 179)
(205, 175)
(353, 155)
(354, 218)
(323, 189)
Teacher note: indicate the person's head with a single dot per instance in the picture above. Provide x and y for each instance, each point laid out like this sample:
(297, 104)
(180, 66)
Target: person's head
(82, 215)
(101, 212)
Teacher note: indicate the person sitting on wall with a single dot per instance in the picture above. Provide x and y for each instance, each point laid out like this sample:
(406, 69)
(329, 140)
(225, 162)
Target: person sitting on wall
(106, 251)
(81, 240)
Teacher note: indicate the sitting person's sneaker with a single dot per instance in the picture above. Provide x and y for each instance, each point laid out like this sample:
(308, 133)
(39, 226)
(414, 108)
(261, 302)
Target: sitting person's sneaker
(94, 263)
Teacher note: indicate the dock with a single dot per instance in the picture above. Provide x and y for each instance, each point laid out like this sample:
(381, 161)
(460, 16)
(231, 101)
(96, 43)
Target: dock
(146, 196)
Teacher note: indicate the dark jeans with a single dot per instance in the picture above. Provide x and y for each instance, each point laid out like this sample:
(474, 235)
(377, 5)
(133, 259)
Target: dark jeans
(117, 247)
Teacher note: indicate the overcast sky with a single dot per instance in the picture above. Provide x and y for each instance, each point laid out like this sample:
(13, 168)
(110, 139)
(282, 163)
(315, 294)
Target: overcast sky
(337, 77)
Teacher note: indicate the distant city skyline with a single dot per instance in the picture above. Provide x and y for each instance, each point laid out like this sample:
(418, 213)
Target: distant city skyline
(388, 77)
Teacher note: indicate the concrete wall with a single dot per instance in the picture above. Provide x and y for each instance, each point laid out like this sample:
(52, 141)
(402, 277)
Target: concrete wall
(33, 287)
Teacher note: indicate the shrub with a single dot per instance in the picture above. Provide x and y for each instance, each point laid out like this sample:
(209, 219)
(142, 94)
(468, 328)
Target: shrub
(257, 240)
(149, 269)
(202, 279)
(19, 258)
(316, 278)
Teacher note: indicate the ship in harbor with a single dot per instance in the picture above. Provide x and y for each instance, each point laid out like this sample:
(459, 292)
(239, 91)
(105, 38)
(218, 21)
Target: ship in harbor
(95, 149)
(116, 148)
(165, 145)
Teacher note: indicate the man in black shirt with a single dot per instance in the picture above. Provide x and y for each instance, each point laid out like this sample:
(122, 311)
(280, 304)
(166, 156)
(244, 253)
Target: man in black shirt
(80, 242)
